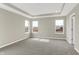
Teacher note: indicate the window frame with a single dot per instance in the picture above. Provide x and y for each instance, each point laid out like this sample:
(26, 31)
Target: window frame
(32, 27)
(28, 26)
(63, 26)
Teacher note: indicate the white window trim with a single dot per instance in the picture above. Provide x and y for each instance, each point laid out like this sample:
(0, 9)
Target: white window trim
(28, 27)
(32, 29)
(55, 27)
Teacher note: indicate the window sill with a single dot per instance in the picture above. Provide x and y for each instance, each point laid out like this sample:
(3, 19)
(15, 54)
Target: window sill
(26, 32)
(59, 33)
(34, 32)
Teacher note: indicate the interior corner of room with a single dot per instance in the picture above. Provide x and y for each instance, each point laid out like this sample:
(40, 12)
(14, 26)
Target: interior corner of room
(44, 21)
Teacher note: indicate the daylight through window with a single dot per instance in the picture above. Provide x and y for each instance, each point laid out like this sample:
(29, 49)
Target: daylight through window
(35, 26)
(26, 26)
(59, 24)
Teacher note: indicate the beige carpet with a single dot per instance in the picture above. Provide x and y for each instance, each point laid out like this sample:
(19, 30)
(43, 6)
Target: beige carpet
(36, 46)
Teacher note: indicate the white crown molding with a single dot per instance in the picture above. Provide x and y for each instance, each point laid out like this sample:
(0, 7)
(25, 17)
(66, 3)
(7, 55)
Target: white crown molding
(3, 6)
(13, 10)
(9, 8)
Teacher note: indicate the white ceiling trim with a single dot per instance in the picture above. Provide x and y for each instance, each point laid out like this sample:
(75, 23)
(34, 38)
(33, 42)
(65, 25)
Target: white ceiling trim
(6, 7)
(3, 6)
(13, 10)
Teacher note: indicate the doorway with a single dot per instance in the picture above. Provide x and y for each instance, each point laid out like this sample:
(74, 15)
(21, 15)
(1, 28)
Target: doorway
(72, 28)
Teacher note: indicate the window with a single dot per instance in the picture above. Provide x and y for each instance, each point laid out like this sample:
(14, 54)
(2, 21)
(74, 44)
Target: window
(27, 26)
(35, 26)
(59, 26)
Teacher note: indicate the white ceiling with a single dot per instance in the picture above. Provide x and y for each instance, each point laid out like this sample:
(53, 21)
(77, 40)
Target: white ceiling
(35, 10)
(39, 8)
(67, 8)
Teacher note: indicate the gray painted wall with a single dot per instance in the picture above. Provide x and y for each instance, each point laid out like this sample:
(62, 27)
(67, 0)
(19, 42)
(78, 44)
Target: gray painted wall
(76, 41)
(11, 27)
(46, 28)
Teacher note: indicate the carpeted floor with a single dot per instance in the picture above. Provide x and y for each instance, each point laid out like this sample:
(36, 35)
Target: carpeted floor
(36, 46)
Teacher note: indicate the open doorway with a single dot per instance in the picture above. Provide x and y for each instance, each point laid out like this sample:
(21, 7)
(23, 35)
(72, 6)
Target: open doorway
(72, 28)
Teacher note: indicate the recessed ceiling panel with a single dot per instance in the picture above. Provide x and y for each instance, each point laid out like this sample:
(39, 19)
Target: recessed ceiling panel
(39, 8)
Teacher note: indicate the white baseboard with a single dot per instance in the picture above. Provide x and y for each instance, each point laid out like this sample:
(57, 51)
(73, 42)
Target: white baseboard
(76, 50)
(68, 42)
(22, 38)
(51, 38)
